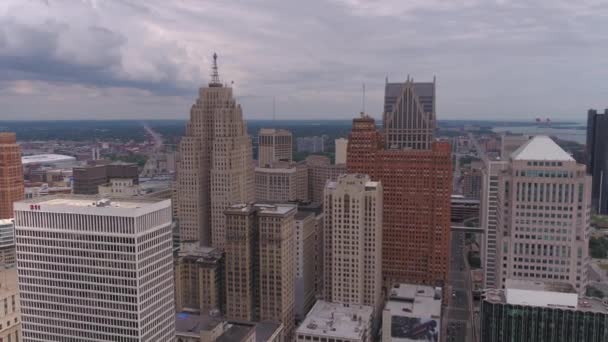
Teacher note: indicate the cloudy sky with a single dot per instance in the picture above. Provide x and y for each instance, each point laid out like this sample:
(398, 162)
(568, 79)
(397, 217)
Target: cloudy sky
(494, 59)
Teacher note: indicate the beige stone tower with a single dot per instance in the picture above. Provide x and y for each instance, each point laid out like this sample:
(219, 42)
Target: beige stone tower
(274, 145)
(353, 241)
(215, 168)
(543, 215)
(260, 262)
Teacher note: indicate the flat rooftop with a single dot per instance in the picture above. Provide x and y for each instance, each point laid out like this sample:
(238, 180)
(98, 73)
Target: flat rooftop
(336, 320)
(189, 323)
(235, 333)
(262, 208)
(301, 215)
(6, 222)
(84, 203)
(539, 286)
(550, 295)
(46, 159)
(409, 300)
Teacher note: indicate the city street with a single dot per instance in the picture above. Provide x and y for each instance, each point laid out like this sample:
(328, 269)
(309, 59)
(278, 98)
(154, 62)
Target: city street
(458, 310)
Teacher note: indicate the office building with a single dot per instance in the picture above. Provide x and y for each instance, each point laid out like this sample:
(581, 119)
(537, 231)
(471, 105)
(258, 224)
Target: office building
(337, 322)
(305, 243)
(281, 182)
(11, 174)
(320, 170)
(341, 145)
(597, 159)
(537, 311)
(7, 243)
(471, 182)
(199, 279)
(417, 187)
(544, 203)
(318, 259)
(409, 115)
(10, 316)
(215, 168)
(488, 218)
(88, 179)
(94, 269)
(260, 260)
(274, 145)
(352, 239)
(412, 313)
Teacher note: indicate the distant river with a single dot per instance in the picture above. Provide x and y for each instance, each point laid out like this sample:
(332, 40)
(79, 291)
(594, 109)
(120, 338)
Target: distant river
(570, 134)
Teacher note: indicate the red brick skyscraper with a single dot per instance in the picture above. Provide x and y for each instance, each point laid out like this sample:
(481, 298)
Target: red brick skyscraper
(417, 189)
(11, 174)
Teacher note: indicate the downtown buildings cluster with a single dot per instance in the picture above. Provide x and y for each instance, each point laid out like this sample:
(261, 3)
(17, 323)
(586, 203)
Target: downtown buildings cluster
(278, 250)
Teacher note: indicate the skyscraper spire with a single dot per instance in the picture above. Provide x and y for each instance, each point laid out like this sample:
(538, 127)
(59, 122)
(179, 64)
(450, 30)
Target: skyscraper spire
(215, 76)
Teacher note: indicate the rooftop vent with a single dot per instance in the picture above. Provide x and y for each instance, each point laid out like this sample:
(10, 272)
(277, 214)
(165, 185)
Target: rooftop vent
(105, 202)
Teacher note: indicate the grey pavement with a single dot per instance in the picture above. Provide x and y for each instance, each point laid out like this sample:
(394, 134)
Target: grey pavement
(458, 310)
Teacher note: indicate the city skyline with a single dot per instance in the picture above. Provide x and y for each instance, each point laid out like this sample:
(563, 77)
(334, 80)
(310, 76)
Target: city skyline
(149, 63)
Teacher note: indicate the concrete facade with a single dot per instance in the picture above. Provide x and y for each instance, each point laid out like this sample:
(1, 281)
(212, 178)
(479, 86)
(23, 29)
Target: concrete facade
(281, 182)
(199, 279)
(353, 241)
(341, 145)
(122, 251)
(543, 216)
(274, 145)
(260, 260)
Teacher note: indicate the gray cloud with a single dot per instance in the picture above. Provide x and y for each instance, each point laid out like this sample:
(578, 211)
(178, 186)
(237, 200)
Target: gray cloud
(492, 58)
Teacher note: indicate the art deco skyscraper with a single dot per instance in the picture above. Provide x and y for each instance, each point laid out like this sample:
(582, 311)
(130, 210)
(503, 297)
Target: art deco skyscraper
(353, 241)
(597, 158)
(417, 186)
(11, 174)
(216, 167)
(409, 115)
(543, 216)
(94, 269)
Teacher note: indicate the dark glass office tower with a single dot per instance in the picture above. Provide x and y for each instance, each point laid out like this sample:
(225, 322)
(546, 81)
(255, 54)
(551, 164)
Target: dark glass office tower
(502, 322)
(597, 159)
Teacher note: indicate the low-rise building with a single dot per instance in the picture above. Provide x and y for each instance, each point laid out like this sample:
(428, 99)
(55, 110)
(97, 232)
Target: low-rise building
(214, 328)
(412, 313)
(542, 311)
(119, 187)
(336, 322)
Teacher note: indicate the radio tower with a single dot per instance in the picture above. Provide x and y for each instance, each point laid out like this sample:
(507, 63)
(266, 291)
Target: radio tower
(215, 76)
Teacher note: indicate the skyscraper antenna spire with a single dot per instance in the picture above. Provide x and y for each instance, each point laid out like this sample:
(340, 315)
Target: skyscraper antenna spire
(215, 76)
(363, 99)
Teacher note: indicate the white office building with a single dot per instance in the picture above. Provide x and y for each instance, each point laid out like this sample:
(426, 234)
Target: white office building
(94, 269)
